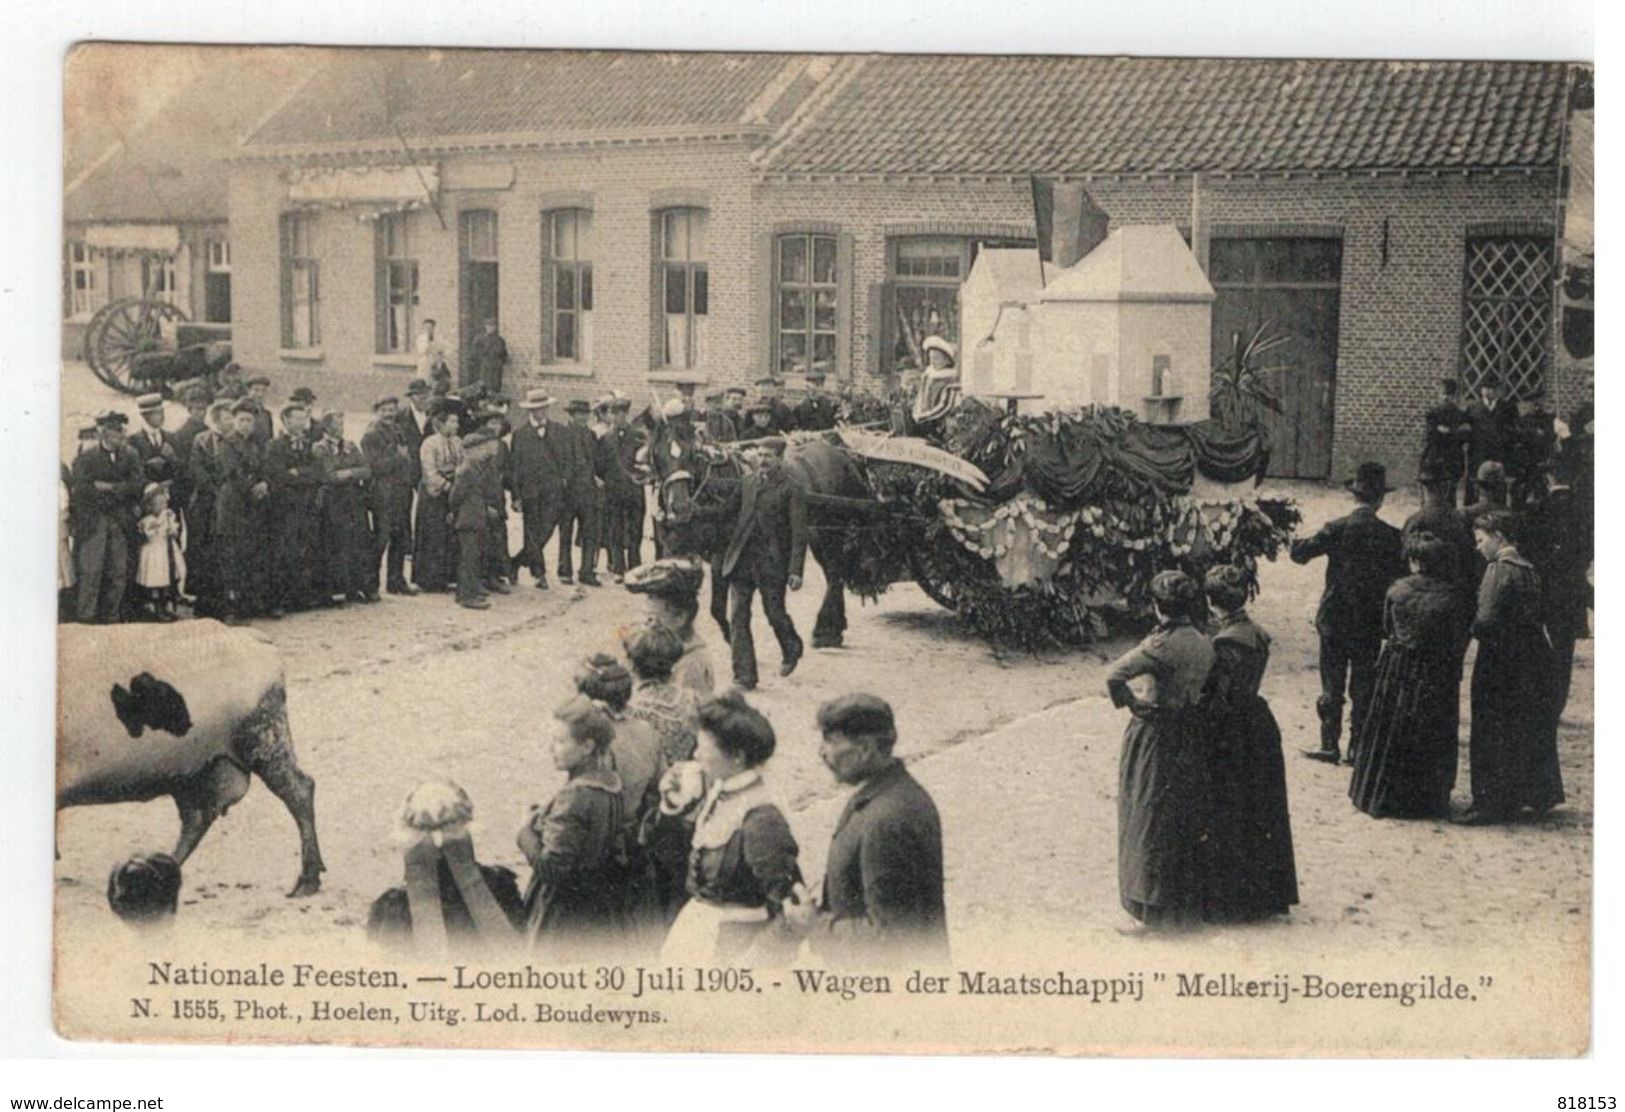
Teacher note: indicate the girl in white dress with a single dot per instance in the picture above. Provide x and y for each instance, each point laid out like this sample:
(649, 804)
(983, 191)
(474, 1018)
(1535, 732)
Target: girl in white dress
(161, 566)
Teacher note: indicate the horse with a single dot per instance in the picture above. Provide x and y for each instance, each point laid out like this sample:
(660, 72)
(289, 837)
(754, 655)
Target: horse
(694, 483)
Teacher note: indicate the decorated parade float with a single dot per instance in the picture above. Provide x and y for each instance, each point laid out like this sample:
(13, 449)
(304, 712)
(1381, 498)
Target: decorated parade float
(1084, 444)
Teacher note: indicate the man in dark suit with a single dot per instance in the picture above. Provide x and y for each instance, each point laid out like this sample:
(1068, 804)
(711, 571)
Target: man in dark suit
(104, 492)
(1444, 441)
(390, 495)
(295, 480)
(882, 902)
(1364, 555)
(152, 443)
(196, 399)
(580, 522)
(623, 492)
(1492, 419)
(771, 394)
(767, 553)
(720, 426)
(257, 388)
(1534, 443)
(819, 409)
(538, 482)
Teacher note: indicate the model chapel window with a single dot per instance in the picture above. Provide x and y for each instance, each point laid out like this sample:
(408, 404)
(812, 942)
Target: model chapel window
(567, 285)
(397, 285)
(1507, 316)
(921, 296)
(85, 293)
(807, 290)
(301, 282)
(683, 287)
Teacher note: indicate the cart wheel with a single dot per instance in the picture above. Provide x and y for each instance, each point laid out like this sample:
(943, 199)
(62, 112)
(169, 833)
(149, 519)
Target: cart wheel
(932, 577)
(120, 332)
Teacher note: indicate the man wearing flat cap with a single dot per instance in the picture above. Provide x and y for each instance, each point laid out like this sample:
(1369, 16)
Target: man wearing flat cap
(1364, 555)
(583, 513)
(818, 409)
(243, 512)
(882, 900)
(258, 386)
(719, 422)
(390, 496)
(105, 487)
(295, 480)
(616, 464)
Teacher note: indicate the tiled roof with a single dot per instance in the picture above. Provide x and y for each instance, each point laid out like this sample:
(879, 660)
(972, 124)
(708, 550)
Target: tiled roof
(168, 167)
(450, 93)
(926, 115)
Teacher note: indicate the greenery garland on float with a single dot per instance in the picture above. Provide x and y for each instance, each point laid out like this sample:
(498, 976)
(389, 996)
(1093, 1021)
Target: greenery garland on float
(1082, 508)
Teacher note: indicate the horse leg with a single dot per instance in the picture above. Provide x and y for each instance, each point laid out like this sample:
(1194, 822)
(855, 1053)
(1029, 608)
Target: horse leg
(204, 798)
(719, 597)
(268, 743)
(830, 628)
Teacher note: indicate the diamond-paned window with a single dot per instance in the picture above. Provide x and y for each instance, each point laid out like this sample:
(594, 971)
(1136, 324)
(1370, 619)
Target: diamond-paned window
(1507, 315)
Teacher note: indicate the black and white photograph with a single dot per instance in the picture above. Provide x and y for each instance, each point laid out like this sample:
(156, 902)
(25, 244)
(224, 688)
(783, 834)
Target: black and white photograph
(825, 552)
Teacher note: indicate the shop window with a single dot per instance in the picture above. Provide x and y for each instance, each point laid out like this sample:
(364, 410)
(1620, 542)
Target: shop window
(567, 285)
(301, 282)
(682, 286)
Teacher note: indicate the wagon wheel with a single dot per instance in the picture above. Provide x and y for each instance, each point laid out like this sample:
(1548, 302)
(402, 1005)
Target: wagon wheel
(934, 577)
(121, 331)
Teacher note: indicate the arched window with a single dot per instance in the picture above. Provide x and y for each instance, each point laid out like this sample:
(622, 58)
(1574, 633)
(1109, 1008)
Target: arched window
(682, 286)
(567, 251)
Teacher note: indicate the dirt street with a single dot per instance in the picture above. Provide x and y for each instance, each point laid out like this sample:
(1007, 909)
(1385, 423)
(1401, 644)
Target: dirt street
(1020, 752)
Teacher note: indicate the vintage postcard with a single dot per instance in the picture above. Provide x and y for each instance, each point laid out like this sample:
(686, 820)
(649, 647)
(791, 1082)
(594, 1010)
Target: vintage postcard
(700, 551)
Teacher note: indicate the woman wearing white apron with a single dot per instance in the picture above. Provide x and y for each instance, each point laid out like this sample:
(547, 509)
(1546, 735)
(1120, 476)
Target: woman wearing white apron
(743, 864)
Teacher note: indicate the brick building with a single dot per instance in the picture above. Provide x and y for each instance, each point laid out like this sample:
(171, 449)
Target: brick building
(144, 203)
(630, 216)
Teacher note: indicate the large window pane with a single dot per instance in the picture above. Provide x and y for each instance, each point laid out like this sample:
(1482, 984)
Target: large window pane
(824, 352)
(824, 260)
(824, 310)
(584, 282)
(564, 291)
(702, 292)
(792, 352)
(793, 310)
(564, 335)
(676, 290)
(792, 259)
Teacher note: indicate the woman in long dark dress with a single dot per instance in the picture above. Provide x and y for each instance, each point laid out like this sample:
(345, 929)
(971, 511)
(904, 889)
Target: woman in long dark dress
(1513, 743)
(575, 903)
(1248, 861)
(1406, 762)
(1162, 789)
(433, 540)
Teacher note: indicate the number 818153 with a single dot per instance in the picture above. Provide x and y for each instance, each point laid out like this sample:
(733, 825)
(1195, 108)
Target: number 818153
(1586, 1104)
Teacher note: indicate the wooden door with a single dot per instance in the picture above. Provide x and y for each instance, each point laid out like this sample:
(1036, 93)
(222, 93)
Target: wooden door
(1290, 287)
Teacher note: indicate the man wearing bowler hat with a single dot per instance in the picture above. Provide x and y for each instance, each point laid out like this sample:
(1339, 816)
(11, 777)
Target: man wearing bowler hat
(818, 409)
(770, 391)
(390, 495)
(766, 554)
(105, 487)
(538, 481)
(1444, 441)
(1364, 555)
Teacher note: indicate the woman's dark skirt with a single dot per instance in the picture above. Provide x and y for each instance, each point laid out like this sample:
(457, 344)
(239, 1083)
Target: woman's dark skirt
(1248, 865)
(1161, 813)
(1513, 744)
(433, 544)
(1406, 757)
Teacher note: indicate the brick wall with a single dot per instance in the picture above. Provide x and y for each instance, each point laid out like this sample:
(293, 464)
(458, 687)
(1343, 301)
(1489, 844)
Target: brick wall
(1400, 318)
(623, 187)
